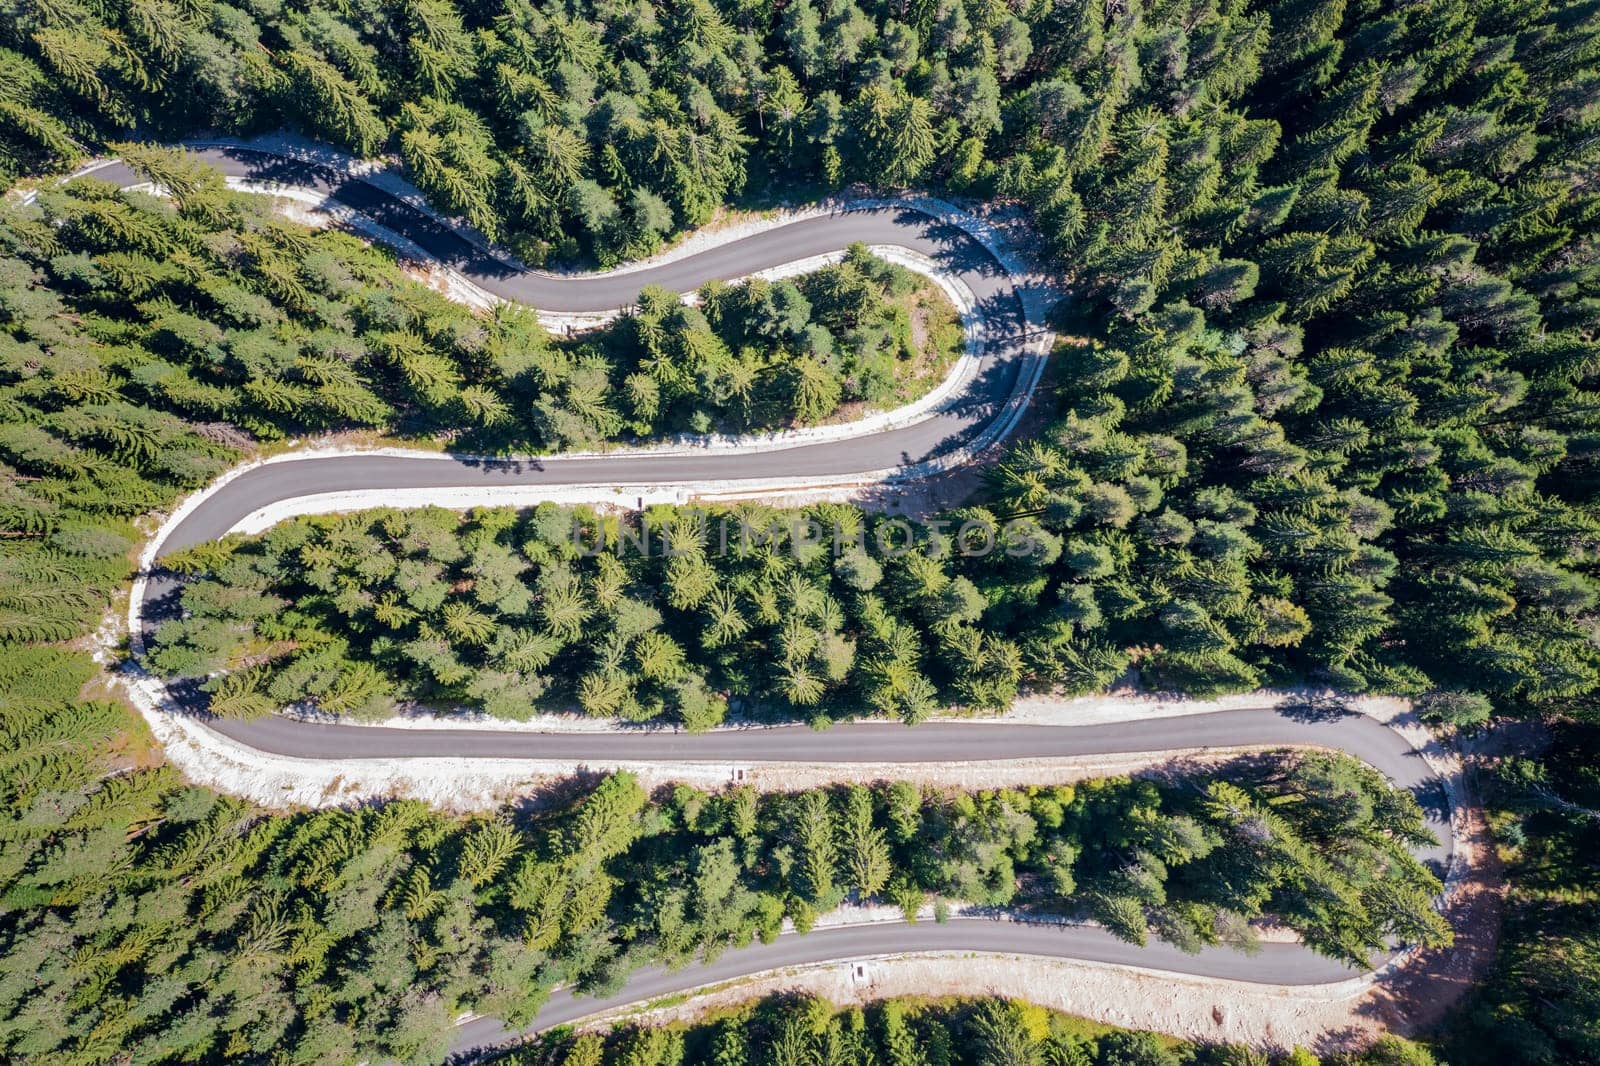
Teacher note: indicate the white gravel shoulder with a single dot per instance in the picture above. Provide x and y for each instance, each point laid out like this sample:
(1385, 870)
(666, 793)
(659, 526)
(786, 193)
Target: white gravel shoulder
(1039, 709)
(1194, 1008)
(308, 205)
(623, 495)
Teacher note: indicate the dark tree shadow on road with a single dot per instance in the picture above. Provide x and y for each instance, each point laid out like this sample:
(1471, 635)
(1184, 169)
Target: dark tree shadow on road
(1316, 709)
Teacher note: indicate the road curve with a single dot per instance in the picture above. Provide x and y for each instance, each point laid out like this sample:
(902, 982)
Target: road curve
(871, 743)
(1005, 343)
(875, 743)
(1274, 963)
(1254, 728)
(956, 421)
(1006, 339)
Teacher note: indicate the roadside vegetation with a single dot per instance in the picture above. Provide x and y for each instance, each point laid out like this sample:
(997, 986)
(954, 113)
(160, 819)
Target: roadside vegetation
(145, 920)
(148, 345)
(1541, 1002)
(516, 613)
(794, 1030)
(1331, 411)
(1329, 414)
(209, 309)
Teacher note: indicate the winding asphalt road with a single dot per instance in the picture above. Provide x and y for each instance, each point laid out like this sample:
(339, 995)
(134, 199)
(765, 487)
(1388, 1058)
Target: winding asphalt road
(999, 304)
(1266, 727)
(1005, 338)
(1274, 963)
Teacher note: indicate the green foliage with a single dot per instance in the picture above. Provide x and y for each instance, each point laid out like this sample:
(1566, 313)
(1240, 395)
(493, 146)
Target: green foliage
(1340, 287)
(135, 330)
(517, 613)
(556, 129)
(192, 926)
(1542, 997)
(1328, 412)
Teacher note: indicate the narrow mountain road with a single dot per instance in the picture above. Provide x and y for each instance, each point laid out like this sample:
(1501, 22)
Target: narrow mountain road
(1005, 337)
(1275, 963)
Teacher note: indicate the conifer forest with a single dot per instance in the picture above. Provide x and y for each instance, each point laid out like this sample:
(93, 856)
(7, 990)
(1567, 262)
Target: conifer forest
(1107, 486)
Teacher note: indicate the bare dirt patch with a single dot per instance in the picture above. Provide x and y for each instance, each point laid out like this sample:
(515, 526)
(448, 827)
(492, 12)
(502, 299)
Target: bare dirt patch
(1418, 994)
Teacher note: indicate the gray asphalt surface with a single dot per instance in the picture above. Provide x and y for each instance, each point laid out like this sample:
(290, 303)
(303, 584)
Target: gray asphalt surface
(1275, 963)
(960, 417)
(875, 742)
(861, 743)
